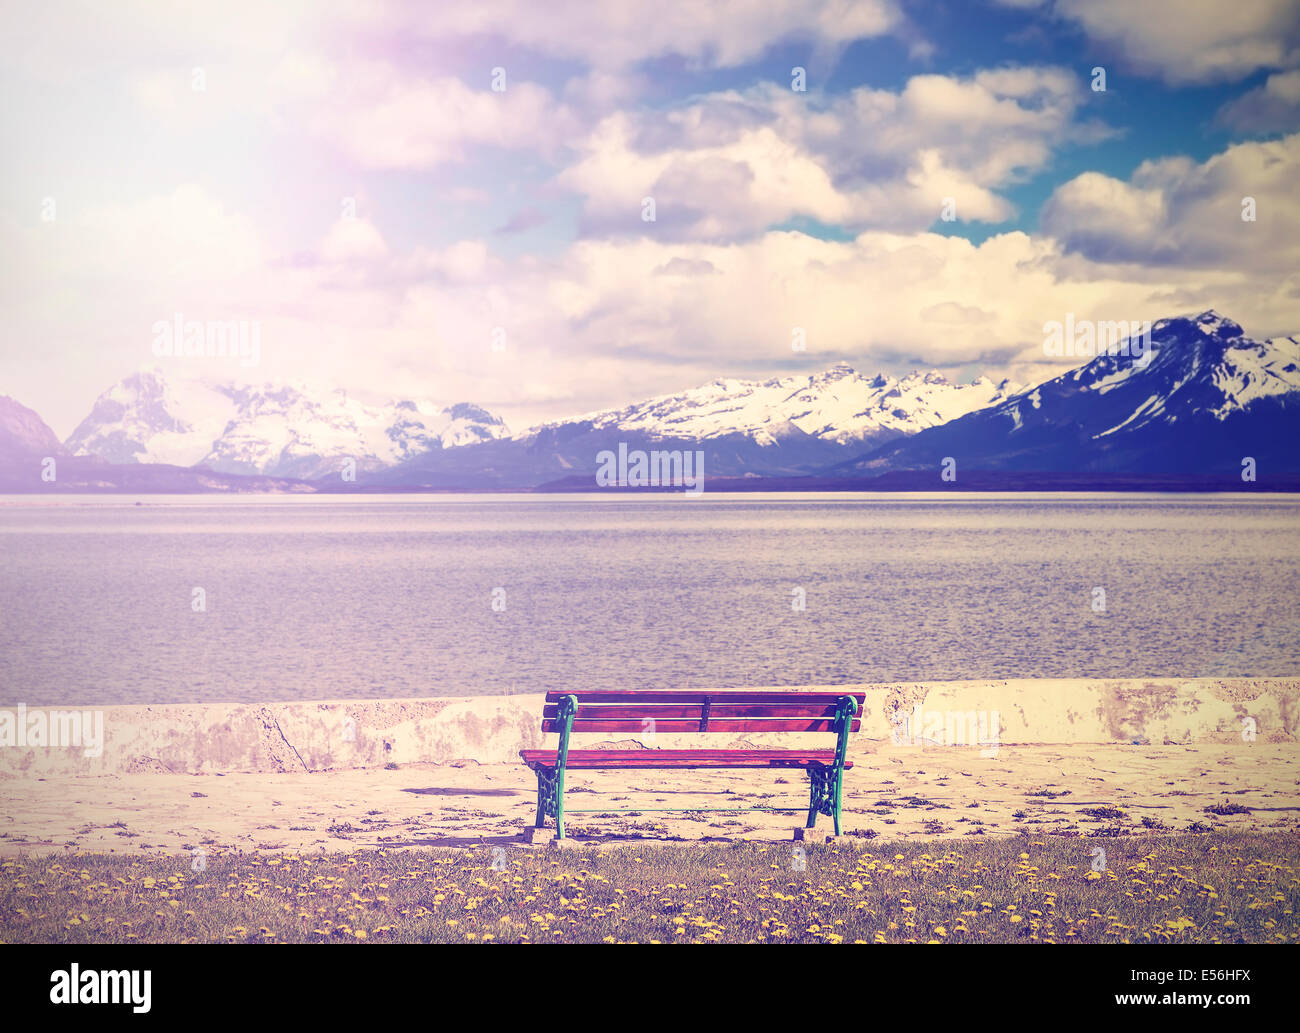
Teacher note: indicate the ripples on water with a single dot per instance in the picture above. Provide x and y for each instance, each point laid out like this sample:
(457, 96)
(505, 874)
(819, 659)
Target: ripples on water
(325, 598)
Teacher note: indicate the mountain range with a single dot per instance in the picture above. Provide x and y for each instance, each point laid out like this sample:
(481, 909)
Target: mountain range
(787, 426)
(32, 459)
(1205, 400)
(283, 431)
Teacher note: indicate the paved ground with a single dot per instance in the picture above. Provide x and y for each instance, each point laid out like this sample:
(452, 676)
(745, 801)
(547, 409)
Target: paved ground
(892, 792)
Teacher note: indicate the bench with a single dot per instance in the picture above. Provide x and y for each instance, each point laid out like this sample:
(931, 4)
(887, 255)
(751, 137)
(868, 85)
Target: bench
(696, 712)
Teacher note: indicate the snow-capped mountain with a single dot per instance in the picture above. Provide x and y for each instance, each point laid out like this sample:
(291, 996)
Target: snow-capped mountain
(1204, 400)
(783, 426)
(840, 406)
(285, 430)
(32, 460)
(144, 418)
(291, 433)
(1207, 398)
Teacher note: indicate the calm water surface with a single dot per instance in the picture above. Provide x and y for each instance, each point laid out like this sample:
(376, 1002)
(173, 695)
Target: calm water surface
(322, 598)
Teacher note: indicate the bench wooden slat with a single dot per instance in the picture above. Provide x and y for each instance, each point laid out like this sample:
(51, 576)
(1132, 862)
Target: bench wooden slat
(697, 697)
(635, 712)
(689, 711)
(613, 759)
(693, 725)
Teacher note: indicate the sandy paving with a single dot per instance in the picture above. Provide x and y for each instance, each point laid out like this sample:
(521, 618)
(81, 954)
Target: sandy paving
(893, 792)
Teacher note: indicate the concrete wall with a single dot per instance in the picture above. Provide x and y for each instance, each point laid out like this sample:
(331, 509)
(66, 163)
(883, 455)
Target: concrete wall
(319, 736)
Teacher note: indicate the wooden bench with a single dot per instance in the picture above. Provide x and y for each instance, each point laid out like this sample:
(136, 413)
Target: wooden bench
(696, 712)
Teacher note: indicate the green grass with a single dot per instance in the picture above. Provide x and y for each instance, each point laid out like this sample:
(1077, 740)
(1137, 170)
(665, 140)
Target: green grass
(1218, 887)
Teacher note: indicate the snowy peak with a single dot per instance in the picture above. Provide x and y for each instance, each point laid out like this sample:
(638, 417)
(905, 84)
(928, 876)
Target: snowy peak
(1212, 324)
(838, 406)
(1255, 369)
(1199, 366)
(1199, 398)
(289, 430)
(145, 419)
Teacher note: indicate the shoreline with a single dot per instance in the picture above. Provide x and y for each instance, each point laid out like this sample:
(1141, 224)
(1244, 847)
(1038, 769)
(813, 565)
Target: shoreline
(1277, 487)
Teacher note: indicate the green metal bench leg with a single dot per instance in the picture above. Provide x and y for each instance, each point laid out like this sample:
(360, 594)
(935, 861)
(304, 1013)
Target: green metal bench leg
(541, 800)
(550, 781)
(839, 788)
(827, 790)
(821, 796)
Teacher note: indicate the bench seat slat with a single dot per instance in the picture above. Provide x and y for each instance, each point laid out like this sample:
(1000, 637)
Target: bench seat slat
(817, 724)
(592, 760)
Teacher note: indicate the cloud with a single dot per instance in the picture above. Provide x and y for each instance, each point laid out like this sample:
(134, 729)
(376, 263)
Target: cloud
(616, 35)
(1187, 41)
(605, 321)
(49, 40)
(351, 239)
(187, 232)
(678, 266)
(951, 312)
(523, 221)
(610, 321)
(1273, 107)
(734, 163)
(307, 103)
(383, 117)
(1178, 213)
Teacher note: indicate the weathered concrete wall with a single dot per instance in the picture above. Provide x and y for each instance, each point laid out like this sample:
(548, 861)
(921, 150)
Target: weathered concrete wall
(1155, 710)
(320, 736)
(213, 738)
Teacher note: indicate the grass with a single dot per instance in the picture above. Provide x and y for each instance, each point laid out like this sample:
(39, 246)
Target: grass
(1214, 888)
(1226, 808)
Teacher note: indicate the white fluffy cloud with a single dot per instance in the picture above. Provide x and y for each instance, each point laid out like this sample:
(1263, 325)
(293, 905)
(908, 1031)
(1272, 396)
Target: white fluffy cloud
(1179, 213)
(1272, 107)
(724, 164)
(602, 35)
(611, 35)
(603, 322)
(1188, 41)
(211, 204)
(383, 117)
(734, 163)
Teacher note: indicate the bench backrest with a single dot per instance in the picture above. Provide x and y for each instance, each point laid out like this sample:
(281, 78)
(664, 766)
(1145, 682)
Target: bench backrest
(737, 710)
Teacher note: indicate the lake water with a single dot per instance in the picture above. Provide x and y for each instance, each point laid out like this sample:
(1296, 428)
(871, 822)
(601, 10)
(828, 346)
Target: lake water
(355, 597)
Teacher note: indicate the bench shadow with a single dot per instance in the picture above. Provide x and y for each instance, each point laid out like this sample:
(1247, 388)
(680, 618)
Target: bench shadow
(571, 790)
(587, 839)
(624, 837)
(456, 841)
(459, 791)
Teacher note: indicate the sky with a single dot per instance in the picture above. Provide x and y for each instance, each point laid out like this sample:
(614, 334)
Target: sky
(451, 201)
